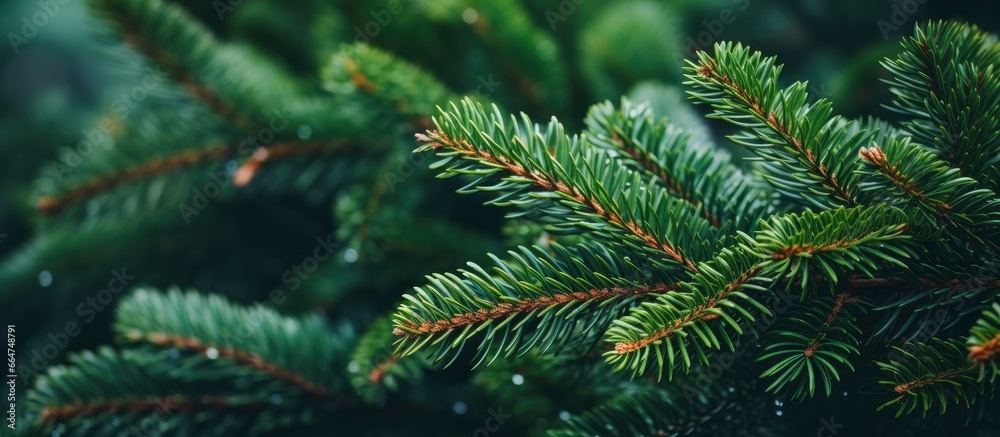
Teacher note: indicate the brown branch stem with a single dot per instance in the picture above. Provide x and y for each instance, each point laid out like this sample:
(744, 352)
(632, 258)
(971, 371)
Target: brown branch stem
(875, 156)
(438, 139)
(698, 313)
(53, 204)
(523, 306)
(707, 70)
(241, 357)
(838, 305)
(646, 161)
(930, 380)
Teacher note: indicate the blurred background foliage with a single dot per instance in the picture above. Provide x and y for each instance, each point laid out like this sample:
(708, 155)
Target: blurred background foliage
(390, 221)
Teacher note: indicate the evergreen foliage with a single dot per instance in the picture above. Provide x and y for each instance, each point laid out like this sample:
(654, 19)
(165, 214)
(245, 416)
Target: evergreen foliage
(870, 213)
(649, 282)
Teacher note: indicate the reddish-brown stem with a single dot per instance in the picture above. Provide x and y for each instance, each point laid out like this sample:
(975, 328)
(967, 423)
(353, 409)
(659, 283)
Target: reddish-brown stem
(241, 357)
(53, 204)
(875, 156)
(249, 168)
(930, 380)
(707, 70)
(698, 313)
(437, 139)
(506, 309)
(837, 306)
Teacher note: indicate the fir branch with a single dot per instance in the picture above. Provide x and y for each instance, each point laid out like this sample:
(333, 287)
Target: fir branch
(785, 248)
(295, 351)
(792, 244)
(407, 89)
(942, 377)
(707, 70)
(148, 384)
(650, 164)
(698, 313)
(375, 370)
(876, 157)
(933, 295)
(929, 375)
(122, 16)
(248, 169)
(163, 339)
(681, 323)
(622, 208)
(553, 300)
(799, 362)
(906, 171)
(437, 139)
(697, 173)
(149, 169)
(508, 309)
(945, 80)
(838, 305)
(807, 151)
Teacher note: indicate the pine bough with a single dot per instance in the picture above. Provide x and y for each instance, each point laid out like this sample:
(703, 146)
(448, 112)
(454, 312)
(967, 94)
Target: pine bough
(837, 252)
(868, 225)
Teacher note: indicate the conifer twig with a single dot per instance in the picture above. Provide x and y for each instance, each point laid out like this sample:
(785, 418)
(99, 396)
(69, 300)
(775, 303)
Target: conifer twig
(697, 313)
(437, 139)
(527, 305)
(707, 70)
(153, 167)
(241, 357)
